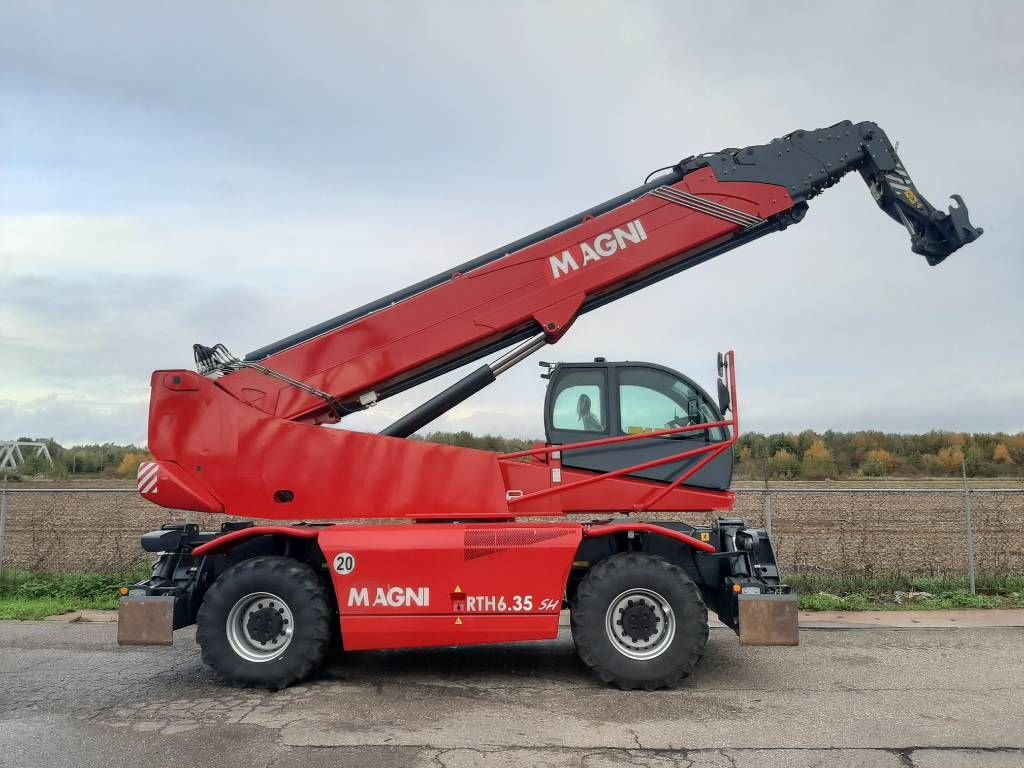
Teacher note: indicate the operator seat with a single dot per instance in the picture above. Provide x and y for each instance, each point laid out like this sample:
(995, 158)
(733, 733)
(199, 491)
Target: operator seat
(590, 422)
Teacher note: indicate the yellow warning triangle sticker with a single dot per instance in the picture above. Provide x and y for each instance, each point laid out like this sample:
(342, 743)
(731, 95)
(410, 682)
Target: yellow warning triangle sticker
(458, 621)
(457, 588)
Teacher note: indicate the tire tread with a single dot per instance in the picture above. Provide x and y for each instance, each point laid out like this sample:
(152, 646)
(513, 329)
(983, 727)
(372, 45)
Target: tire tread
(303, 657)
(587, 619)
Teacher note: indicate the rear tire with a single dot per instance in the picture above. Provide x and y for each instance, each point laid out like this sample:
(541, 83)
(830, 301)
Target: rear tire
(265, 622)
(639, 622)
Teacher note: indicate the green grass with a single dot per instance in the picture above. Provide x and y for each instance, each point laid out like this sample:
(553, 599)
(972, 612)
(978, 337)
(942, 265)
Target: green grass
(26, 595)
(39, 608)
(889, 592)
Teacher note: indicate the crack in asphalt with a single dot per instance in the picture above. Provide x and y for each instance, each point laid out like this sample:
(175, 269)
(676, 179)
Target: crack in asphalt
(598, 757)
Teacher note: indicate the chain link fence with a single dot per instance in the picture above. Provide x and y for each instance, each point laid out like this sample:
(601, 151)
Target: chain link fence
(926, 531)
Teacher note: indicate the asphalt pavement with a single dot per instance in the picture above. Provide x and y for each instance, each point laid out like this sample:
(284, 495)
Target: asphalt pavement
(925, 698)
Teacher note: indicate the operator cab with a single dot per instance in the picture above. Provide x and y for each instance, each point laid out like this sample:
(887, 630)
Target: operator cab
(591, 401)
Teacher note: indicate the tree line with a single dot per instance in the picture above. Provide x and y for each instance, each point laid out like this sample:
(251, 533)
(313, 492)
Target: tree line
(92, 459)
(808, 455)
(811, 455)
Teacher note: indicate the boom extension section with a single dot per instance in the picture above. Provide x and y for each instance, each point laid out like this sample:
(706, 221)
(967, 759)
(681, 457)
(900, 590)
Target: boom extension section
(807, 162)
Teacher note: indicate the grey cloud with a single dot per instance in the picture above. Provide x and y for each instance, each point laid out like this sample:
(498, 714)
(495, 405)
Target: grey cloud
(349, 92)
(107, 332)
(302, 162)
(75, 420)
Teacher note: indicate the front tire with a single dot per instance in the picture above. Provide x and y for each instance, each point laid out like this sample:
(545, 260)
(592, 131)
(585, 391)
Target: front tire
(265, 622)
(639, 622)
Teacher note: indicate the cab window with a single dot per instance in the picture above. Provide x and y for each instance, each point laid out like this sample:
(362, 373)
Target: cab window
(652, 400)
(580, 403)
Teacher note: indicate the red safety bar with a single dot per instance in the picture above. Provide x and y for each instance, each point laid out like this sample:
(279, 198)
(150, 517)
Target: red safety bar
(712, 451)
(589, 531)
(221, 543)
(610, 440)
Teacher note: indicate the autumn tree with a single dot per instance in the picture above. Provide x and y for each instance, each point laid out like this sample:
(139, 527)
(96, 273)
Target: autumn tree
(1016, 445)
(817, 462)
(1001, 453)
(877, 463)
(784, 464)
(951, 458)
(129, 466)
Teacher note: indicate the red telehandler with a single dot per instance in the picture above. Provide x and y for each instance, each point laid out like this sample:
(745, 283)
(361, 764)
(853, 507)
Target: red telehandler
(453, 565)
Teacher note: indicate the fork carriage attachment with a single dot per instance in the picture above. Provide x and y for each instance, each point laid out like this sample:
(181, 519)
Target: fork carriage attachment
(437, 584)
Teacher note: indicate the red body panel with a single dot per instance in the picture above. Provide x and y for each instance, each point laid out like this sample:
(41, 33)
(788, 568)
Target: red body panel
(335, 474)
(168, 484)
(402, 586)
(374, 633)
(246, 457)
(255, 465)
(228, 541)
(410, 586)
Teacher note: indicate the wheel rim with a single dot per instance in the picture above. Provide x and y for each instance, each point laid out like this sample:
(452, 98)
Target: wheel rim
(640, 624)
(260, 627)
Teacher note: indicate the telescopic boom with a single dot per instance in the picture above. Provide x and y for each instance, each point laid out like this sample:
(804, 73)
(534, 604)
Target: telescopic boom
(703, 206)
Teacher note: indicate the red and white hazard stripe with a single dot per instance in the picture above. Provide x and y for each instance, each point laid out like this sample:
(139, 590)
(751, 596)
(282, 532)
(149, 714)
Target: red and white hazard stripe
(149, 474)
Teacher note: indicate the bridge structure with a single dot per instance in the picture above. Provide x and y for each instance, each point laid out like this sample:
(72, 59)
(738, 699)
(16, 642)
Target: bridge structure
(14, 452)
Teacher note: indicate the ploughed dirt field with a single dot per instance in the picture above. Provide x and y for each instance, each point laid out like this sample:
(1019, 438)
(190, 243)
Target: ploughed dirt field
(840, 526)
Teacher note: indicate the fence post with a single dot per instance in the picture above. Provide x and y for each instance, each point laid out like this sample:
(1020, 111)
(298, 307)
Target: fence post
(970, 529)
(3, 523)
(767, 508)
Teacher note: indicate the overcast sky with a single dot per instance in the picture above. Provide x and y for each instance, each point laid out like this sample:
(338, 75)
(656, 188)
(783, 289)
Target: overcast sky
(234, 172)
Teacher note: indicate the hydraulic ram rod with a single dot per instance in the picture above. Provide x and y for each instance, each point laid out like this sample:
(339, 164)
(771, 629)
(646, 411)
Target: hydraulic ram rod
(461, 390)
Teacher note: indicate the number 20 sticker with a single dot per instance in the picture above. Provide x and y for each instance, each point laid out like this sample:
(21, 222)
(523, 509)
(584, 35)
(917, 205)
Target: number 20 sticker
(344, 563)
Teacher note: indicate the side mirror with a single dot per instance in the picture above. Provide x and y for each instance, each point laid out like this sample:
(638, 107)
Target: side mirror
(721, 364)
(724, 399)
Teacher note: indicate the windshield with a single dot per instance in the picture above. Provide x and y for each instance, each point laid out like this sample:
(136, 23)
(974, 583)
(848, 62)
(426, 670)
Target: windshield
(652, 400)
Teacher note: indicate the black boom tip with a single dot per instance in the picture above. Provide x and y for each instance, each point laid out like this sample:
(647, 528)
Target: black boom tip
(943, 233)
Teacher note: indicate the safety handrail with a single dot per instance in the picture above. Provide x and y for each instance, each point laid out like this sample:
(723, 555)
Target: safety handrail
(714, 450)
(617, 439)
(734, 422)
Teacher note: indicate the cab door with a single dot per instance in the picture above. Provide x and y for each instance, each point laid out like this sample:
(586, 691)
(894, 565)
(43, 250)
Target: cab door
(578, 404)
